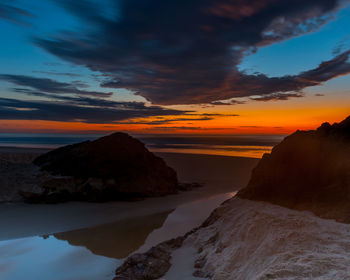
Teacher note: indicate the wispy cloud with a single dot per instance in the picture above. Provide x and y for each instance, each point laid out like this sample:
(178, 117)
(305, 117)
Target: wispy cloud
(228, 102)
(49, 85)
(14, 14)
(79, 110)
(72, 75)
(188, 117)
(278, 96)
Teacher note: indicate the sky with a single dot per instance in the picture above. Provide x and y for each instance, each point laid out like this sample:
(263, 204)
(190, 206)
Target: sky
(166, 66)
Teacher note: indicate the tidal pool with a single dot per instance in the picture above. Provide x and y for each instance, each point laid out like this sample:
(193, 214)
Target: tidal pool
(93, 253)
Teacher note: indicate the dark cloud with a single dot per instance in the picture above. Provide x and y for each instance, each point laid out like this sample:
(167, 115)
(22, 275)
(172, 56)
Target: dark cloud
(187, 52)
(157, 112)
(48, 85)
(228, 102)
(188, 118)
(175, 128)
(13, 14)
(319, 94)
(277, 96)
(342, 46)
(82, 100)
(167, 121)
(213, 115)
(69, 111)
(164, 128)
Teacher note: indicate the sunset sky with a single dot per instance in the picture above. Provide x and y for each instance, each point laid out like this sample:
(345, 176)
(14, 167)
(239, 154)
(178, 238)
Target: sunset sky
(164, 66)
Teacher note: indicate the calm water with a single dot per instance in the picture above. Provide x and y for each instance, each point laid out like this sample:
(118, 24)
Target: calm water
(94, 253)
(240, 145)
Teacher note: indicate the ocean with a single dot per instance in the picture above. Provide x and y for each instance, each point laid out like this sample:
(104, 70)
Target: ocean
(253, 146)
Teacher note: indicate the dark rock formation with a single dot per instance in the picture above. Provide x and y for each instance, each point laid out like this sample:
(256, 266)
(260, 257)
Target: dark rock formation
(117, 166)
(151, 265)
(308, 170)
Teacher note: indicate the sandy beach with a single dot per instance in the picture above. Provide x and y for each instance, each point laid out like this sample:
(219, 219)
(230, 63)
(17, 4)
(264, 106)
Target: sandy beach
(218, 174)
(101, 235)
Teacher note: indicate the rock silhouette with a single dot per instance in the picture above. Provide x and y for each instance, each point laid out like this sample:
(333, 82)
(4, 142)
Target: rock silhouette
(308, 170)
(116, 166)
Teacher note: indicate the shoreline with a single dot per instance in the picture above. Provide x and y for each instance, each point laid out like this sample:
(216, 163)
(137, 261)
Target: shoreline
(218, 174)
(20, 220)
(39, 150)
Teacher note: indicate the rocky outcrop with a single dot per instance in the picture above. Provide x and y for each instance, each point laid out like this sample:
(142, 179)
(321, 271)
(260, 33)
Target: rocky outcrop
(17, 176)
(117, 166)
(150, 265)
(308, 170)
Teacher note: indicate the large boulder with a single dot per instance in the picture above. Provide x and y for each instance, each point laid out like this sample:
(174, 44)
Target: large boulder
(308, 170)
(117, 166)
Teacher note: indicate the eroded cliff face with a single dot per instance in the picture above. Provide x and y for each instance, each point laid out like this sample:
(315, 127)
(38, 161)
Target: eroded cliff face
(308, 170)
(246, 239)
(117, 166)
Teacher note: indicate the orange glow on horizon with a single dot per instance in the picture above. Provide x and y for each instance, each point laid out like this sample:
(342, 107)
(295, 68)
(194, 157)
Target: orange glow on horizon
(282, 117)
(281, 121)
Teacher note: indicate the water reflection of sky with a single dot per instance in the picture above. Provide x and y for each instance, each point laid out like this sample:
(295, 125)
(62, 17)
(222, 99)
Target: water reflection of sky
(51, 259)
(70, 255)
(219, 150)
(183, 219)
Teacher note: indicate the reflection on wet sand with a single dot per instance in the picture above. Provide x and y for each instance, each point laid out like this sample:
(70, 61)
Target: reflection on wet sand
(115, 240)
(35, 258)
(88, 240)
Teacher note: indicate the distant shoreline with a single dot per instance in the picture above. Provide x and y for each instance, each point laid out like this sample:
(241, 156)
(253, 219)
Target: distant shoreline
(40, 150)
(253, 146)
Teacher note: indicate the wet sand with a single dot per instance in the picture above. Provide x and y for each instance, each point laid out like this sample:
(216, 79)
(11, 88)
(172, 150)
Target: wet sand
(94, 253)
(219, 174)
(80, 240)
